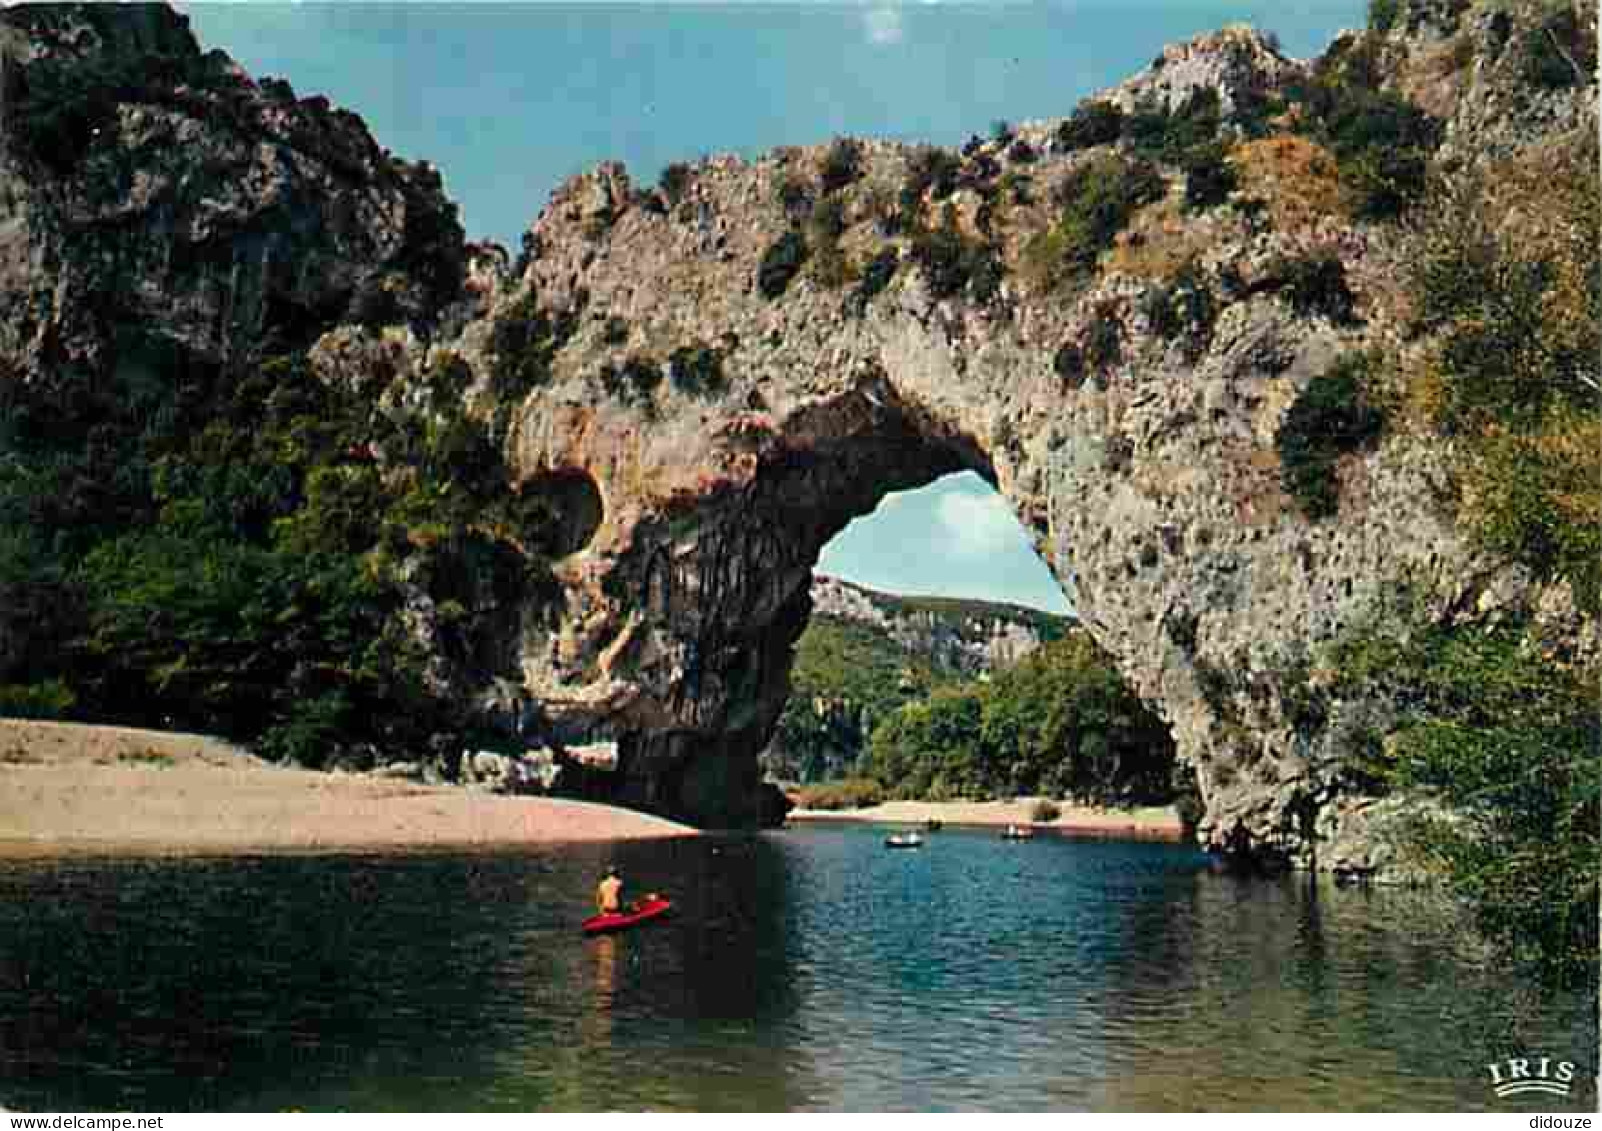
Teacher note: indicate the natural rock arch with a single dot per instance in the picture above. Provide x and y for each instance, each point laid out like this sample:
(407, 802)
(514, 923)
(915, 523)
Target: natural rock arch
(708, 406)
(1151, 485)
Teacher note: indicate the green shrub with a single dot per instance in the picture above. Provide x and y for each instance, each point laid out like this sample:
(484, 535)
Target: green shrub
(1155, 132)
(310, 732)
(876, 276)
(842, 164)
(847, 793)
(830, 266)
(795, 198)
(951, 262)
(932, 171)
(780, 263)
(1382, 15)
(1092, 123)
(1330, 418)
(1069, 364)
(673, 182)
(1104, 340)
(1021, 152)
(1183, 308)
(1490, 725)
(1516, 315)
(1315, 284)
(524, 340)
(1381, 142)
(697, 370)
(1209, 177)
(49, 699)
(1254, 111)
(1559, 52)
(1096, 201)
(634, 380)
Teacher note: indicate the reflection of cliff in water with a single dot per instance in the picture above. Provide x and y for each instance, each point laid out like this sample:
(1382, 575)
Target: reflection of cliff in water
(408, 982)
(250, 983)
(1249, 985)
(690, 1012)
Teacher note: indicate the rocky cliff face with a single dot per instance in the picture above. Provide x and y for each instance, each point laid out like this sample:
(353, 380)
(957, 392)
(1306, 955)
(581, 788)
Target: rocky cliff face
(716, 375)
(865, 653)
(161, 207)
(966, 638)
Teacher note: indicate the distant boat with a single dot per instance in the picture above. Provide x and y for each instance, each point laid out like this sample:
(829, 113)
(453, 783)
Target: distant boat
(1018, 832)
(903, 840)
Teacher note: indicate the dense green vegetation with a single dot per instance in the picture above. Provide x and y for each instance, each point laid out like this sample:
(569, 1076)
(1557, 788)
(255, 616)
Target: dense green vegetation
(1095, 202)
(850, 674)
(1157, 133)
(781, 262)
(1514, 311)
(1330, 418)
(228, 554)
(1494, 726)
(1382, 143)
(952, 262)
(847, 676)
(1492, 718)
(1062, 722)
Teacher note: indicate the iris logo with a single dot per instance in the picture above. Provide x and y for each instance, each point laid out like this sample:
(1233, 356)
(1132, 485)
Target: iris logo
(1518, 1075)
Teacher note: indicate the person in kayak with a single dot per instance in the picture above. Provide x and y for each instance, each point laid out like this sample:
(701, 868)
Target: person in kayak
(609, 893)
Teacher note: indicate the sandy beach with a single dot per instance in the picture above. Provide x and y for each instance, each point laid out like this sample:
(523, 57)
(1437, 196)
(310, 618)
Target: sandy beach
(1153, 823)
(69, 789)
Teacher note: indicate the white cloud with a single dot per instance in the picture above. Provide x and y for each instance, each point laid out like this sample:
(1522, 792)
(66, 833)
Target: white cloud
(977, 525)
(883, 25)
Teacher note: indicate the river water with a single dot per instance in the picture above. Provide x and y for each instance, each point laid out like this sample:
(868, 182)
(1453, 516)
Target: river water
(806, 969)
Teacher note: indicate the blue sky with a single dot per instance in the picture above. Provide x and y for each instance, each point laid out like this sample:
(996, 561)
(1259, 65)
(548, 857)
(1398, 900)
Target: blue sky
(508, 100)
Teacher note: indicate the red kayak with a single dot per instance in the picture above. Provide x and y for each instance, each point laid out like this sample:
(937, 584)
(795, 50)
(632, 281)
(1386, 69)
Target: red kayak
(642, 911)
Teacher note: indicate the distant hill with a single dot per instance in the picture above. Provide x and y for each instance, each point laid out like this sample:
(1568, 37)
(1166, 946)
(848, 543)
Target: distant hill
(866, 652)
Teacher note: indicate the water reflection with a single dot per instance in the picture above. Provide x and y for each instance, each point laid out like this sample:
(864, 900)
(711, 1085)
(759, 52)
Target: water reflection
(1250, 993)
(803, 970)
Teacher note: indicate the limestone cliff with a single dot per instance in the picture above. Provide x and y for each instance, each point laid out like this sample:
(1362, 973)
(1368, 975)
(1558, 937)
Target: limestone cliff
(865, 653)
(715, 375)
(967, 638)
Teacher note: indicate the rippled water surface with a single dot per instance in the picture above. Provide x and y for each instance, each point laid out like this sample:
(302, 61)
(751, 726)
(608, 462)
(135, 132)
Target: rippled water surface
(805, 969)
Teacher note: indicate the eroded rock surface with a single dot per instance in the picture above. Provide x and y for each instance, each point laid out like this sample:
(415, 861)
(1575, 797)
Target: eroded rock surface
(712, 425)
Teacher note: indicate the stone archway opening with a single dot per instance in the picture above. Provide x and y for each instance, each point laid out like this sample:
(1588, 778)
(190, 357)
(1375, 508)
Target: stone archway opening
(724, 592)
(955, 537)
(724, 581)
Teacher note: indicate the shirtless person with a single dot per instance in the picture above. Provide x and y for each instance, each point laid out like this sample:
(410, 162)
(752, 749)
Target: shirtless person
(609, 893)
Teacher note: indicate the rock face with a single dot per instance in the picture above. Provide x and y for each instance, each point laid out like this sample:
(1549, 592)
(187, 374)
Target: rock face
(896, 649)
(969, 638)
(714, 421)
(176, 212)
